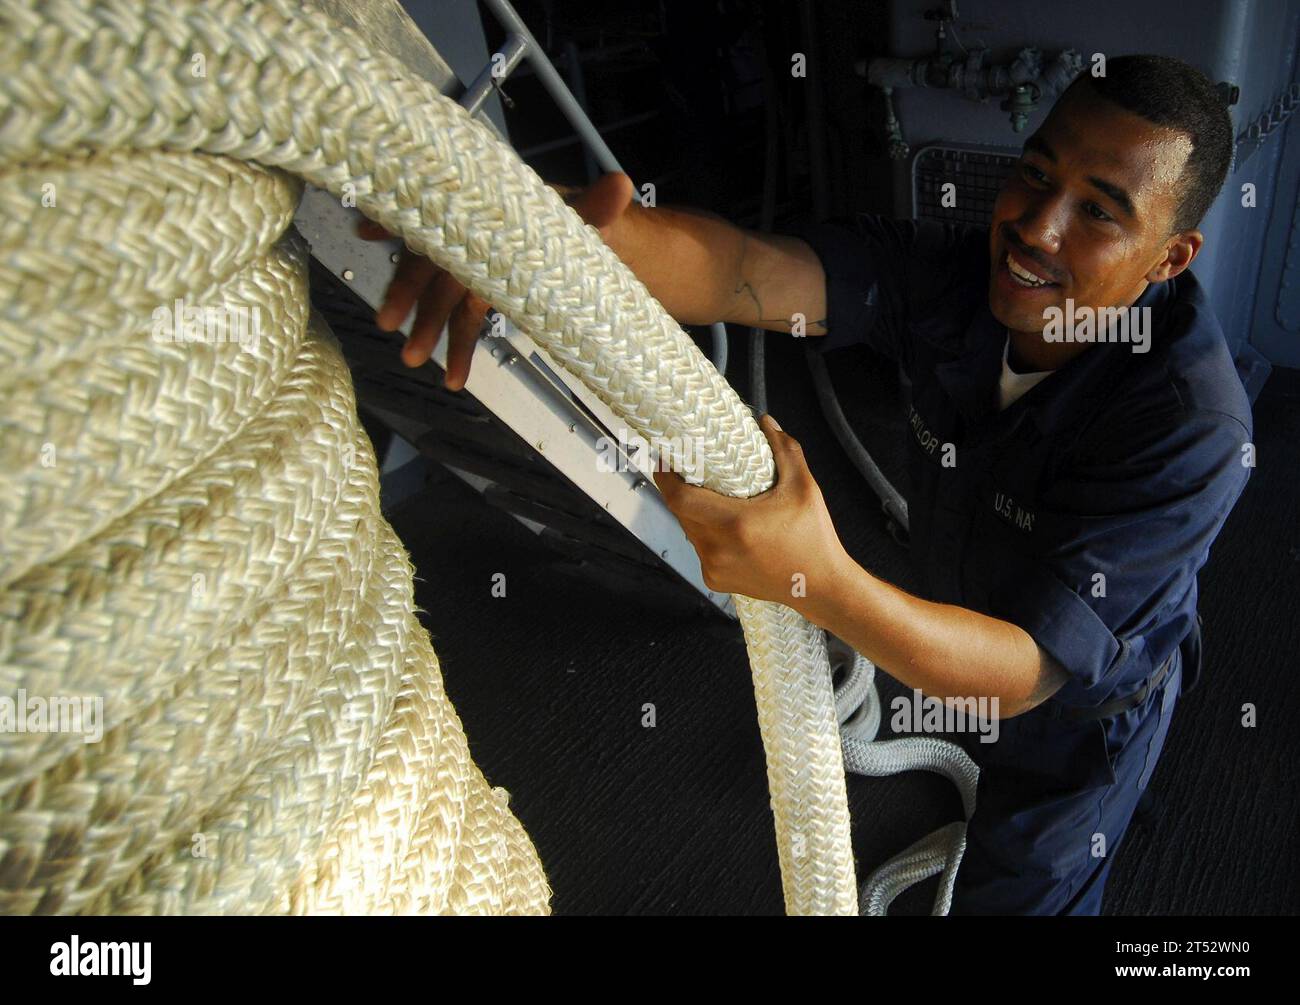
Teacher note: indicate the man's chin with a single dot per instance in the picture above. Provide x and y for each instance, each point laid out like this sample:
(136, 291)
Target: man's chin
(1017, 320)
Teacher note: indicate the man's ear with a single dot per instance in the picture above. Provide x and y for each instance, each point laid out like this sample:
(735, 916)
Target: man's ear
(1179, 254)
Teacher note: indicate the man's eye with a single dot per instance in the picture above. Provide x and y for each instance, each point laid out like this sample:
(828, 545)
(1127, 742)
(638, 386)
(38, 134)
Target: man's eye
(1030, 171)
(1096, 212)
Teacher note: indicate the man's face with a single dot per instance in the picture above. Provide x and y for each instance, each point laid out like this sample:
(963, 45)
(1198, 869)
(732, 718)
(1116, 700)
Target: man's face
(1088, 207)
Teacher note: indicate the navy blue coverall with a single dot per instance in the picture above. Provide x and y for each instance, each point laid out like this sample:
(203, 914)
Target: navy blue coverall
(1082, 513)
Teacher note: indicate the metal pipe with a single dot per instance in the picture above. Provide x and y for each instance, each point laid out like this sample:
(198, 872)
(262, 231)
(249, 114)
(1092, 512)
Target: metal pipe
(891, 500)
(1024, 81)
(555, 85)
(509, 55)
(718, 333)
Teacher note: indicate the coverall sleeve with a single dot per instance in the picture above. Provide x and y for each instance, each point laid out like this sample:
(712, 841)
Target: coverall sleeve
(1132, 519)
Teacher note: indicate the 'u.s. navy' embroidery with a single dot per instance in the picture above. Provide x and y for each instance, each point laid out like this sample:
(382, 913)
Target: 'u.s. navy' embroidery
(1013, 513)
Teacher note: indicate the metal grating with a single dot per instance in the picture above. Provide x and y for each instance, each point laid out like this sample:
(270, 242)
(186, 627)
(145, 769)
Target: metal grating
(976, 172)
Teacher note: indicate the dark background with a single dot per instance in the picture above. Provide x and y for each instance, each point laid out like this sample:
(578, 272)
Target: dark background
(689, 79)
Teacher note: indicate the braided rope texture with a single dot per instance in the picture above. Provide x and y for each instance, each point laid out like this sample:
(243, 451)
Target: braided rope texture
(191, 533)
(292, 706)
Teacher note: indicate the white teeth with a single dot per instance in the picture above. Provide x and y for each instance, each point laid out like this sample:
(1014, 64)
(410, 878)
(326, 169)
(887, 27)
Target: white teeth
(1024, 276)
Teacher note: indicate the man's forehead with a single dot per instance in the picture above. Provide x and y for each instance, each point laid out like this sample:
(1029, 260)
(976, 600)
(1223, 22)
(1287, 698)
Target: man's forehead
(1090, 136)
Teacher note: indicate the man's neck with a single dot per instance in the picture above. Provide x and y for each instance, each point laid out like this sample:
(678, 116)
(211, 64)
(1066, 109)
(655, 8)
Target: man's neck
(1029, 352)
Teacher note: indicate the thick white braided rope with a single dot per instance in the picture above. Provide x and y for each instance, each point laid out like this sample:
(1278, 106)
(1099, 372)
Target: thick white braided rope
(293, 91)
(288, 716)
(191, 534)
(258, 747)
(299, 93)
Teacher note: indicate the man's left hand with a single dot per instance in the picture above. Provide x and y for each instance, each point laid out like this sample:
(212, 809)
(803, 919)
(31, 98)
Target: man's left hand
(780, 545)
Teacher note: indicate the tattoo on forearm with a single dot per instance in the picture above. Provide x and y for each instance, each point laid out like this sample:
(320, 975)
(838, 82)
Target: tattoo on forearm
(745, 287)
(742, 284)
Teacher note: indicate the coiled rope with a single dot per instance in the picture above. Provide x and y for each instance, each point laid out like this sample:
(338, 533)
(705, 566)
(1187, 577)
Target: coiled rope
(191, 530)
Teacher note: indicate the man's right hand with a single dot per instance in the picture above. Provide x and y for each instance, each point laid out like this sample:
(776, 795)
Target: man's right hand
(440, 300)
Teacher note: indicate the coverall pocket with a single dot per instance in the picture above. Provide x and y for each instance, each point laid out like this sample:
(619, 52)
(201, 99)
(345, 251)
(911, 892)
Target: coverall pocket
(1049, 757)
(1036, 807)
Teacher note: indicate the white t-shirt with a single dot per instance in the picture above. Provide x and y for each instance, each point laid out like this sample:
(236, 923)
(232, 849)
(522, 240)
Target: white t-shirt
(1012, 385)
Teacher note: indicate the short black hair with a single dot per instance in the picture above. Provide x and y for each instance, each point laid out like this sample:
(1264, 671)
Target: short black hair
(1168, 92)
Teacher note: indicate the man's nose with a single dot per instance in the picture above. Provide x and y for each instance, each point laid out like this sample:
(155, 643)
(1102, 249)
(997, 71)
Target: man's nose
(1041, 224)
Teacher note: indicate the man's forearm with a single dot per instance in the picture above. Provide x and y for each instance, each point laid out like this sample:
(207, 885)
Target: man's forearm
(704, 269)
(944, 650)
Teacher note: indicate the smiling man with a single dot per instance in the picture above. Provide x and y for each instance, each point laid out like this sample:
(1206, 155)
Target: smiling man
(1064, 491)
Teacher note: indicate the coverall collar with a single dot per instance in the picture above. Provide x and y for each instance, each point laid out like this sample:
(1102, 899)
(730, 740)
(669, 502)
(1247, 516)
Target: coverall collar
(970, 378)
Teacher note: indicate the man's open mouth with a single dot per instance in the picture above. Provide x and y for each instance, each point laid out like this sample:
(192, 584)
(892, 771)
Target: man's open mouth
(1023, 277)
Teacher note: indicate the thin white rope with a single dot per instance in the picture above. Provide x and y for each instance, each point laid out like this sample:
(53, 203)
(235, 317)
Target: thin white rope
(938, 853)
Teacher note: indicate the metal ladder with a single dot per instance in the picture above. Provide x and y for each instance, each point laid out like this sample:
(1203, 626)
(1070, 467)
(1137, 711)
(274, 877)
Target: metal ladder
(523, 432)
